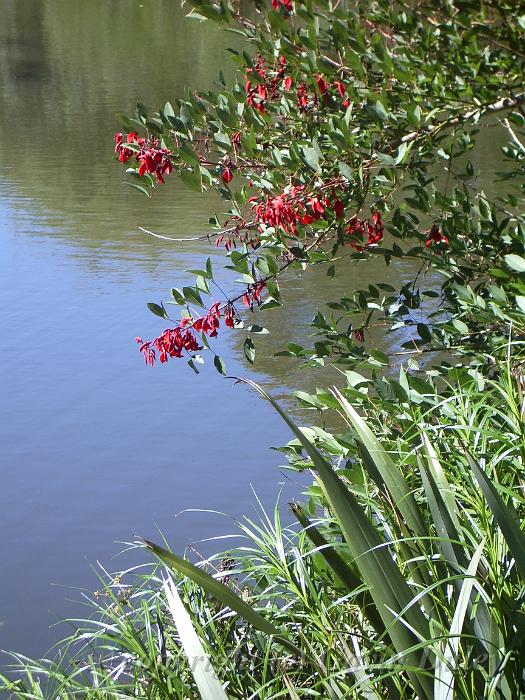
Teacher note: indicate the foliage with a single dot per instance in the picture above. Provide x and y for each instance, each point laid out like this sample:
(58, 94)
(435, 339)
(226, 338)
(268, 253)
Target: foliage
(349, 133)
(360, 602)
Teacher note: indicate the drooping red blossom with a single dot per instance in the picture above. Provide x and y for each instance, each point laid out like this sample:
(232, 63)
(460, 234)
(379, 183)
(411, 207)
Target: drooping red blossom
(236, 141)
(256, 96)
(287, 4)
(375, 229)
(435, 236)
(267, 87)
(288, 209)
(252, 295)
(321, 84)
(227, 175)
(287, 82)
(229, 317)
(366, 232)
(283, 211)
(339, 208)
(341, 89)
(123, 153)
(359, 335)
(151, 157)
(174, 342)
(302, 97)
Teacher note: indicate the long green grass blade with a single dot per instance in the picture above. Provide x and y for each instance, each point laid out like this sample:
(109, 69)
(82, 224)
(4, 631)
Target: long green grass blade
(391, 475)
(206, 679)
(505, 516)
(340, 568)
(448, 534)
(221, 592)
(436, 470)
(388, 587)
(446, 663)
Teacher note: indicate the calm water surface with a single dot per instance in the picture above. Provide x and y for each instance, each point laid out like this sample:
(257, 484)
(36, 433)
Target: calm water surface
(94, 446)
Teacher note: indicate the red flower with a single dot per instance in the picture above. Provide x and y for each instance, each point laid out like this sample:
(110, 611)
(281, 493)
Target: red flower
(227, 175)
(302, 97)
(341, 89)
(152, 159)
(287, 4)
(287, 82)
(375, 229)
(339, 209)
(323, 88)
(359, 335)
(372, 230)
(283, 211)
(435, 236)
(229, 318)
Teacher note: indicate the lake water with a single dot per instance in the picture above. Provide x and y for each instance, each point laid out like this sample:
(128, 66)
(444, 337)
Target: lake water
(95, 447)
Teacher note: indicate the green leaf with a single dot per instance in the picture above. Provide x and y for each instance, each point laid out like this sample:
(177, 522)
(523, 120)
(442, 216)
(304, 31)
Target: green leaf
(157, 309)
(395, 482)
(140, 188)
(345, 170)
(380, 111)
(339, 567)
(386, 159)
(446, 662)
(257, 329)
(192, 179)
(424, 332)
(219, 364)
(311, 158)
(249, 350)
(414, 115)
(515, 262)
(520, 301)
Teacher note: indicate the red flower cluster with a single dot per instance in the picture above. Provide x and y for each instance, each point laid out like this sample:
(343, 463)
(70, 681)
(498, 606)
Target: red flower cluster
(435, 236)
(291, 208)
(370, 231)
(152, 159)
(172, 343)
(287, 4)
(304, 99)
(252, 295)
(257, 96)
(175, 341)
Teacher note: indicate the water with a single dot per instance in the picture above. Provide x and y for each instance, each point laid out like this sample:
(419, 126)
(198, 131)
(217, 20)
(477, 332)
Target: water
(94, 446)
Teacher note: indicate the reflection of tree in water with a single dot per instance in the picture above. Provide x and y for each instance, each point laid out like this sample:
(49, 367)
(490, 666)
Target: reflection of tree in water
(21, 34)
(66, 69)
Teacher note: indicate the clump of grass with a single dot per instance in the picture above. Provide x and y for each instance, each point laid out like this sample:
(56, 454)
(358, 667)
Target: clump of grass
(402, 578)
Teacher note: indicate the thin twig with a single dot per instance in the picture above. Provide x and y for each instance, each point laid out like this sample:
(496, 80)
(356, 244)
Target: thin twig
(202, 237)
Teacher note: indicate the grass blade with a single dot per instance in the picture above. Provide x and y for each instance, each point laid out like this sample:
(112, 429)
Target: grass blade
(388, 587)
(505, 516)
(221, 592)
(391, 475)
(206, 679)
(445, 664)
(340, 568)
